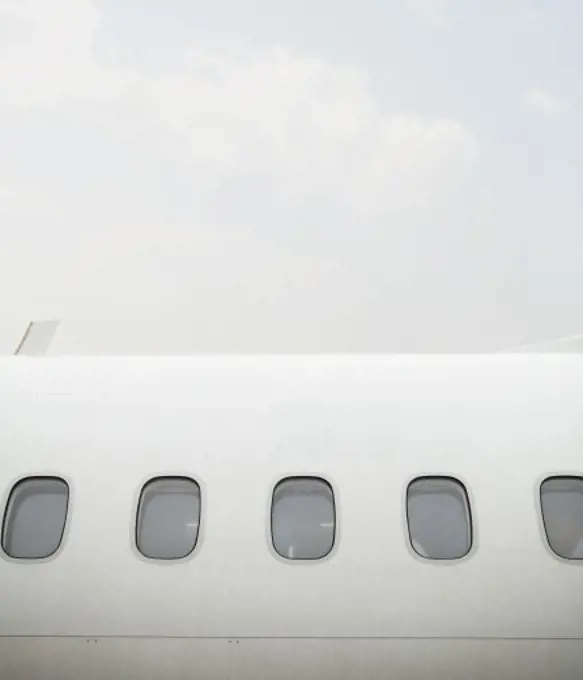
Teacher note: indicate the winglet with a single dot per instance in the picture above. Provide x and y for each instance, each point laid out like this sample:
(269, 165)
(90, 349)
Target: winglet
(37, 338)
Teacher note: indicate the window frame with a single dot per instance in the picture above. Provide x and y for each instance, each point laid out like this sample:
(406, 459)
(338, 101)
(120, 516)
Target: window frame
(336, 510)
(471, 518)
(573, 561)
(180, 476)
(8, 495)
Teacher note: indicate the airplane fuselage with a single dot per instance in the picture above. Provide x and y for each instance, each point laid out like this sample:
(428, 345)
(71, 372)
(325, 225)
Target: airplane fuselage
(375, 605)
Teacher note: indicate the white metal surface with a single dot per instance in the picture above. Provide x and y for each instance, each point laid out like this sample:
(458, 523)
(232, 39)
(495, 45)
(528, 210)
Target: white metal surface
(234, 608)
(37, 338)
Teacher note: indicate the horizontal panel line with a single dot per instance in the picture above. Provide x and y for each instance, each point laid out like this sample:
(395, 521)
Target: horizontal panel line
(465, 638)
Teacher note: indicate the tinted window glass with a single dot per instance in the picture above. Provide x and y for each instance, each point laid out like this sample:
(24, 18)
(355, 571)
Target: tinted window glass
(439, 518)
(168, 518)
(35, 518)
(303, 518)
(562, 508)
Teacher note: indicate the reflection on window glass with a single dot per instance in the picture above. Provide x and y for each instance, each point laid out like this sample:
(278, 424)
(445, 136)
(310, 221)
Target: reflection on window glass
(303, 518)
(562, 509)
(439, 518)
(35, 518)
(168, 518)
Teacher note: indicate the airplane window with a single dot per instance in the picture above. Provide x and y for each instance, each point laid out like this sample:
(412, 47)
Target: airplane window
(303, 518)
(34, 522)
(562, 511)
(168, 518)
(439, 519)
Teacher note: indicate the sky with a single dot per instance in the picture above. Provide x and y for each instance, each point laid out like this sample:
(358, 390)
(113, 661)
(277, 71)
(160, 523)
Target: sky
(327, 176)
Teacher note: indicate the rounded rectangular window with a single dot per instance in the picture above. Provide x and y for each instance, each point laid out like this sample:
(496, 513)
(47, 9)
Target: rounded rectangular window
(35, 518)
(168, 518)
(562, 512)
(439, 518)
(303, 518)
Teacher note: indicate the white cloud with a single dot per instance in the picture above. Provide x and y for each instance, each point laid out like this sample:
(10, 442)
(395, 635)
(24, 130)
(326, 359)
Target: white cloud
(308, 176)
(5, 256)
(18, 202)
(544, 102)
(311, 127)
(434, 13)
(299, 125)
(48, 57)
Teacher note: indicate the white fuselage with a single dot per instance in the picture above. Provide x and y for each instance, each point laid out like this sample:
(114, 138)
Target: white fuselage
(234, 608)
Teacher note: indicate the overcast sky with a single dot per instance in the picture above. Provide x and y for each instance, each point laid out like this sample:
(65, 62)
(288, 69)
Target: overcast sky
(381, 175)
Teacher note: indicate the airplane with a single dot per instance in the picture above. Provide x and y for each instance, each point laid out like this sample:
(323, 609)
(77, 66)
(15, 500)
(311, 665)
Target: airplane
(339, 517)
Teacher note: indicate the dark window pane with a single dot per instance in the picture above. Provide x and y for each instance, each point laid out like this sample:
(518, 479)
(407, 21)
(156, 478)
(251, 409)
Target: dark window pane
(439, 518)
(168, 518)
(562, 508)
(35, 518)
(303, 518)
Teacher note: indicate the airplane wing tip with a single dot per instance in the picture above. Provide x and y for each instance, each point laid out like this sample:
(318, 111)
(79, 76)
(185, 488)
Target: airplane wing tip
(37, 338)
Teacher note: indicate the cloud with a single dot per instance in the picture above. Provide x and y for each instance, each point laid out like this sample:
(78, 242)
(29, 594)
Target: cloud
(433, 13)
(298, 131)
(49, 56)
(307, 127)
(542, 101)
(297, 125)
(24, 202)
